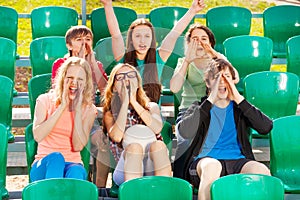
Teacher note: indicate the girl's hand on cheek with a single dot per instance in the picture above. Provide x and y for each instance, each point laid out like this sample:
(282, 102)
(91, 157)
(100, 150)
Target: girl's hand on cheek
(65, 97)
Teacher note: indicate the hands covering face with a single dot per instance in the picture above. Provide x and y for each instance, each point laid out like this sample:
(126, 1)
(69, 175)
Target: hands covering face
(67, 95)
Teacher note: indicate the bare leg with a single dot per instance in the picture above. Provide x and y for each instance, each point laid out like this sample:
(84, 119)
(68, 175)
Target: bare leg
(102, 159)
(103, 168)
(160, 158)
(133, 166)
(254, 167)
(208, 169)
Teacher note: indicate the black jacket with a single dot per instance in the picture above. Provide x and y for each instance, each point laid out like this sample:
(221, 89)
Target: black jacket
(196, 120)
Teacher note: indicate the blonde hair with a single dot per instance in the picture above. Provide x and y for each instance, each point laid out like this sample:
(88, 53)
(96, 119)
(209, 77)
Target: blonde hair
(88, 94)
(108, 94)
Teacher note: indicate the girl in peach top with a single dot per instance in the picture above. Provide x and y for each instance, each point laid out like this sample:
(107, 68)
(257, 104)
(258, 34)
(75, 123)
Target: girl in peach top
(62, 122)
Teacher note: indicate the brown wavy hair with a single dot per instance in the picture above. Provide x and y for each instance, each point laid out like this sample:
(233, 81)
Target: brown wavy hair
(88, 92)
(151, 83)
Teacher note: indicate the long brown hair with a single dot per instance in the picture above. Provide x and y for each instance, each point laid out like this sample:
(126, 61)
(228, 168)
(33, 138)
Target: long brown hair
(151, 83)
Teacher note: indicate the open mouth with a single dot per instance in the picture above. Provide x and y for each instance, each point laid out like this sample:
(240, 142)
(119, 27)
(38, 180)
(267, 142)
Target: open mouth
(73, 89)
(222, 89)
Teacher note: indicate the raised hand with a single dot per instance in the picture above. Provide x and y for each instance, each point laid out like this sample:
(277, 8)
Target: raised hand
(79, 97)
(191, 51)
(208, 49)
(65, 98)
(214, 88)
(198, 5)
(233, 93)
(106, 2)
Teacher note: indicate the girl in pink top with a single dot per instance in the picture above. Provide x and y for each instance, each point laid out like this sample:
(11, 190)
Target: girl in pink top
(62, 122)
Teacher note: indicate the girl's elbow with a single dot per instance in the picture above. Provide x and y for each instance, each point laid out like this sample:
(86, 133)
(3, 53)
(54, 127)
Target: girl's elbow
(77, 148)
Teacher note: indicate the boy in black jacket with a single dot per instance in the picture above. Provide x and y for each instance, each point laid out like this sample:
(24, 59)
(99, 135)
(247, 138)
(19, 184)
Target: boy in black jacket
(219, 126)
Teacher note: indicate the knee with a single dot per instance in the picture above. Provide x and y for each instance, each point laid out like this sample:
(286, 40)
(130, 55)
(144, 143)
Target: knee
(57, 157)
(76, 171)
(158, 146)
(210, 169)
(134, 149)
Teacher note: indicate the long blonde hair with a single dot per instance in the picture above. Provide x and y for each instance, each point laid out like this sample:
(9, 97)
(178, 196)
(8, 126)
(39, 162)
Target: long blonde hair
(88, 94)
(109, 91)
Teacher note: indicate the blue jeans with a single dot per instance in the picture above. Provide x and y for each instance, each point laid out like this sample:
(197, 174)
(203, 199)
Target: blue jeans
(54, 166)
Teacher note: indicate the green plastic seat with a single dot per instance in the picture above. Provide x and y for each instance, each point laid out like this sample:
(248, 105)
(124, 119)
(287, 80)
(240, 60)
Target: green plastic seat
(9, 23)
(164, 19)
(293, 55)
(31, 150)
(3, 161)
(279, 24)
(274, 93)
(60, 189)
(44, 51)
(6, 94)
(37, 85)
(228, 21)
(103, 53)
(52, 21)
(8, 59)
(248, 54)
(125, 17)
(247, 187)
(284, 152)
(156, 187)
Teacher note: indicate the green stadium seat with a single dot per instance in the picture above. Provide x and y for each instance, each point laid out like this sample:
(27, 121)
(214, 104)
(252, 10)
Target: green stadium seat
(9, 23)
(6, 94)
(103, 53)
(60, 188)
(164, 19)
(125, 17)
(274, 93)
(156, 187)
(247, 187)
(52, 21)
(284, 152)
(248, 54)
(279, 24)
(228, 21)
(44, 51)
(293, 55)
(8, 59)
(37, 85)
(3, 161)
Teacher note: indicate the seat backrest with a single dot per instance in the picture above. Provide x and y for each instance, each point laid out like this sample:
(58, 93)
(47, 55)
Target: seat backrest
(236, 22)
(293, 55)
(31, 150)
(125, 17)
(44, 51)
(248, 54)
(52, 21)
(274, 93)
(280, 23)
(60, 188)
(6, 95)
(156, 187)
(284, 152)
(7, 58)
(3, 161)
(103, 53)
(178, 52)
(37, 85)
(247, 187)
(9, 23)
(164, 19)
